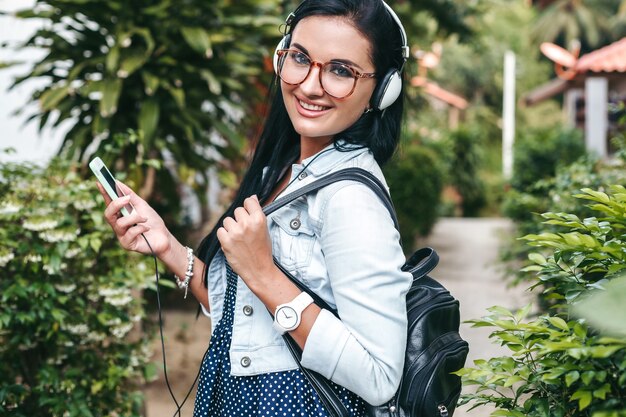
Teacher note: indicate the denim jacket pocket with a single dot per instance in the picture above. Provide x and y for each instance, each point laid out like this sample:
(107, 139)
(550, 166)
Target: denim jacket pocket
(292, 236)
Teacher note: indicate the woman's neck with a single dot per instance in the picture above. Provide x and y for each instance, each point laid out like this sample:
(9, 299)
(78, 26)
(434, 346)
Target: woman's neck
(311, 146)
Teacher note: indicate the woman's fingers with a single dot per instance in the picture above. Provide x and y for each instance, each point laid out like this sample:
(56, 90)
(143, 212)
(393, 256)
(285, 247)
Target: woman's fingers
(125, 222)
(106, 197)
(111, 213)
(128, 240)
(253, 208)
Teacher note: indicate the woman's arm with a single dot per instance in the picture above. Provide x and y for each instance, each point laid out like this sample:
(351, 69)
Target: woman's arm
(364, 351)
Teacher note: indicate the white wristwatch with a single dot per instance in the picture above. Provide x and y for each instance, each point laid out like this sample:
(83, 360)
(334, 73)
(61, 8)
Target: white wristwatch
(287, 316)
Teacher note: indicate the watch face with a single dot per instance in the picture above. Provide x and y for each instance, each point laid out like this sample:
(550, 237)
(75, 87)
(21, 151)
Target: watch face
(287, 317)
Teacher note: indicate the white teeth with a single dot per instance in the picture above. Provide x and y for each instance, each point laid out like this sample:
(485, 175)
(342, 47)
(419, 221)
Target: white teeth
(311, 106)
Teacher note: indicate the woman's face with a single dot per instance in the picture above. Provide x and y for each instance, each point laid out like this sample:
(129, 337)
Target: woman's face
(314, 113)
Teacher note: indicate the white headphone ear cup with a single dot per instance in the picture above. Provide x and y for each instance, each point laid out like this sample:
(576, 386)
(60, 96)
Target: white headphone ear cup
(284, 43)
(388, 90)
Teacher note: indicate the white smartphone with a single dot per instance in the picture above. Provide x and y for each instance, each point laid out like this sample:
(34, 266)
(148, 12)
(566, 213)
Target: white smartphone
(107, 180)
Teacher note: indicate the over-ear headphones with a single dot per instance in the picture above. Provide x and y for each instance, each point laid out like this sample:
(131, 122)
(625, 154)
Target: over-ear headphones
(388, 87)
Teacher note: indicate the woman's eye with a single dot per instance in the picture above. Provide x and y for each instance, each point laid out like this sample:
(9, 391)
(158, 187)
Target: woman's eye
(299, 58)
(341, 70)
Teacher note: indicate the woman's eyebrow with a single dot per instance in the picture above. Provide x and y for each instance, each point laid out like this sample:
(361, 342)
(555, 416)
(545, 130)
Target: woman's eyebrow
(339, 60)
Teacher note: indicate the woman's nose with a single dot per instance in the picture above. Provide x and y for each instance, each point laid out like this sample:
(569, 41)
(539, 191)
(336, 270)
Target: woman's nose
(311, 85)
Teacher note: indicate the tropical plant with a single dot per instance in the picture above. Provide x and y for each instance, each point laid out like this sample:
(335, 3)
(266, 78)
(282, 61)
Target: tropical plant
(559, 365)
(587, 21)
(71, 340)
(183, 75)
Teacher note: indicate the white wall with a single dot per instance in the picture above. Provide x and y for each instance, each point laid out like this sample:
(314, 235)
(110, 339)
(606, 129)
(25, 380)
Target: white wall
(28, 142)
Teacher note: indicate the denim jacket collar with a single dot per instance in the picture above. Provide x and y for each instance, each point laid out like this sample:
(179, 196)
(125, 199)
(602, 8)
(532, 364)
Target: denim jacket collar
(327, 159)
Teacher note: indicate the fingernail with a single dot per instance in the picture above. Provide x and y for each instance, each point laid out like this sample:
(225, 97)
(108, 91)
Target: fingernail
(255, 197)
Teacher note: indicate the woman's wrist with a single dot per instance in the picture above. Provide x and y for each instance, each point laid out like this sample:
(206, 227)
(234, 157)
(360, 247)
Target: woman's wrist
(175, 257)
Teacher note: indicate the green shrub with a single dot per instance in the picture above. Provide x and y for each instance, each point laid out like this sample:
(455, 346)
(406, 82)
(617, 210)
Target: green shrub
(415, 177)
(559, 366)
(70, 339)
(463, 172)
(554, 195)
(539, 153)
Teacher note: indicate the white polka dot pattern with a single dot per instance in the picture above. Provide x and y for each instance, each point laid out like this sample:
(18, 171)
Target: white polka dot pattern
(276, 394)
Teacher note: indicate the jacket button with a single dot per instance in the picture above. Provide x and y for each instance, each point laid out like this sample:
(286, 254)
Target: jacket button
(295, 224)
(245, 361)
(303, 175)
(248, 310)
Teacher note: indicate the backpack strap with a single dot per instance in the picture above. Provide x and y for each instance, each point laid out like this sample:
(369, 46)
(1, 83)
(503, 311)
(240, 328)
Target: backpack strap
(346, 174)
(353, 174)
(323, 386)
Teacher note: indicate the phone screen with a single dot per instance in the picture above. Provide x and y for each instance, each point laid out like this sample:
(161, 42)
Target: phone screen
(106, 174)
(109, 178)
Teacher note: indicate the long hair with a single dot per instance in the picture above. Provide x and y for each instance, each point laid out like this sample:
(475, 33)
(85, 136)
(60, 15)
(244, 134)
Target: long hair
(279, 144)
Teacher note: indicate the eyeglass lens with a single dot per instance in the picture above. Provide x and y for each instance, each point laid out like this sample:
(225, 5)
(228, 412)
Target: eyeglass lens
(338, 80)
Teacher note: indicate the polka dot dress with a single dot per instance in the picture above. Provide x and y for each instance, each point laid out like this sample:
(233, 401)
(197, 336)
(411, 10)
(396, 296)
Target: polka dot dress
(276, 394)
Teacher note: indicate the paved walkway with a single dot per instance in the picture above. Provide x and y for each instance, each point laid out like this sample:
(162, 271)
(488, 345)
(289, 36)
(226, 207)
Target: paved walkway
(468, 249)
(470, 269)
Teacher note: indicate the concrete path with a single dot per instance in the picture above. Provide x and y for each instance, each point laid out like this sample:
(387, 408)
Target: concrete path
(469, 268)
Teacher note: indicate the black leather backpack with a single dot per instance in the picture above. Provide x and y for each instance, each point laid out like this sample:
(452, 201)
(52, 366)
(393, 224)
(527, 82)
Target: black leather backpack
(434, 347)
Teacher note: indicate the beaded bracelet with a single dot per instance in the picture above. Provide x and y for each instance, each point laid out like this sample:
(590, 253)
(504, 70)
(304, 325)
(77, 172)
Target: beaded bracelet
(184, 283)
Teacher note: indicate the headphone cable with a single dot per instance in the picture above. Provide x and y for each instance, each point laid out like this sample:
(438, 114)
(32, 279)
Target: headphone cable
(167, 382)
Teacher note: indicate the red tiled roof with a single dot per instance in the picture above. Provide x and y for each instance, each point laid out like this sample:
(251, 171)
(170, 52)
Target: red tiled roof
(611, 58)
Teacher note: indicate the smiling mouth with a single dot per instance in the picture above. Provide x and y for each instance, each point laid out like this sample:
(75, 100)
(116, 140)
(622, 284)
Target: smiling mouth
(313, 107)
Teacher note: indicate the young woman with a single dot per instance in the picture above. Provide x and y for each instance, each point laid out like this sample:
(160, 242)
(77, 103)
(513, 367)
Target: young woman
(337, 104)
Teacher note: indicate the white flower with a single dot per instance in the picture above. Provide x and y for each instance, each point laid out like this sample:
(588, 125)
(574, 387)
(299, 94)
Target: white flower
(65, 288)
(5, 258)
(34, 258)
(120, 300)
(9, 207)
(95, 337)
(39, 225)
(77, 329)
(70, 253)
(113, 322)
(122, 330)
(59, 235)
(111, 292)
(84, 204)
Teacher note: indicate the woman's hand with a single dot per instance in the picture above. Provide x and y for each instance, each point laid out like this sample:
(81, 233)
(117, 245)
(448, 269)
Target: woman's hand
(143, 219)
(246, 242)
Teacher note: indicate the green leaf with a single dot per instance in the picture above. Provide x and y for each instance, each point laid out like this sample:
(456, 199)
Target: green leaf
(198, 39)
(131, 63)
(584, 399)
(53, 96)
(213, 83)
(149, 120)
(571, 377)
(537, 258)
(558, 323)
(111, 89)
(151, 83)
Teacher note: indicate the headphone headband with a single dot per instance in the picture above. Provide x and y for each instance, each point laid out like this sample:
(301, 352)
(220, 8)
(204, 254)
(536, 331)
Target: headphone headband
(405, 42)
(394, 16)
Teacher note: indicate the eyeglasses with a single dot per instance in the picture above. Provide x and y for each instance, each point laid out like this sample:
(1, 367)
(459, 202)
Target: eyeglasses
(337, 79)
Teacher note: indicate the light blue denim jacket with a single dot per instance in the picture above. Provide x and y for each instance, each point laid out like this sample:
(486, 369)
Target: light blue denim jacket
(346, 250)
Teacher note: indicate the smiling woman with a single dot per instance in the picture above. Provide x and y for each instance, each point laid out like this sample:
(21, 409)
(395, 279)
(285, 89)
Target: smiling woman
(339, 71)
